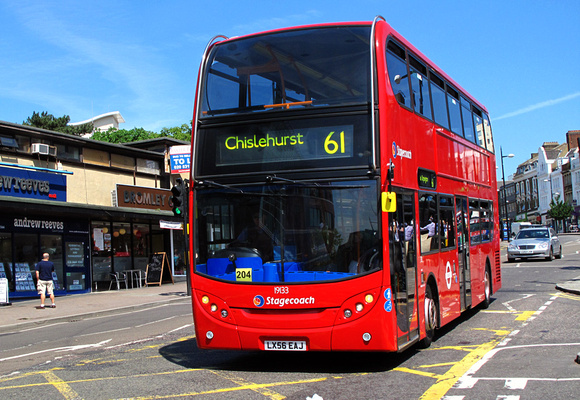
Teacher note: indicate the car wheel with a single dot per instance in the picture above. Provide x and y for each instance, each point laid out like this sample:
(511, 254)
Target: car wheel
(511, 259)
(550, 256)
(559, 256)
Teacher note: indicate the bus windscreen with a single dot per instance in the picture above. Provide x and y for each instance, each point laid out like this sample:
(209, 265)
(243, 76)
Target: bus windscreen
(294, 69)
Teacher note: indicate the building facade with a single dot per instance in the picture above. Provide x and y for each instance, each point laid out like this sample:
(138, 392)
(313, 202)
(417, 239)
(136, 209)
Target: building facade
(97, 208)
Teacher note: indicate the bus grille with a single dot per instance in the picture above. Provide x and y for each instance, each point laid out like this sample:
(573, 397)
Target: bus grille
(497, 267)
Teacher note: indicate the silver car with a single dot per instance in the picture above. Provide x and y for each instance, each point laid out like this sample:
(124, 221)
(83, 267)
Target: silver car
(535, 243)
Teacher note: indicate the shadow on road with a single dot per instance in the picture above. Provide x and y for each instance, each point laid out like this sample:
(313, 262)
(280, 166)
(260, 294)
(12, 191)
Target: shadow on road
(188, 355)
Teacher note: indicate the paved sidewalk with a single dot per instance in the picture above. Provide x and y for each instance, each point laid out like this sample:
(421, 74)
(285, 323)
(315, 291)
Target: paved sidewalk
(25, 313)
(572, 286)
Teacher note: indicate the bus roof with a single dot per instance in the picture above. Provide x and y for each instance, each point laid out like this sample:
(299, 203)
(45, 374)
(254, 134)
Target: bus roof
(389, 31)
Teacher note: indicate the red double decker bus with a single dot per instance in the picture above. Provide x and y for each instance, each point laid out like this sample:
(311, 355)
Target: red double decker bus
(343, 193)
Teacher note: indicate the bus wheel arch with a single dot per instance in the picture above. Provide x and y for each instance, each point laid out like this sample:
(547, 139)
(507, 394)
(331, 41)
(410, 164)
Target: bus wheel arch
(431, 312)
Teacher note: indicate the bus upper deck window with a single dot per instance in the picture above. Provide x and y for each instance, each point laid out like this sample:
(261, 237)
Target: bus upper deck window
(398, 76)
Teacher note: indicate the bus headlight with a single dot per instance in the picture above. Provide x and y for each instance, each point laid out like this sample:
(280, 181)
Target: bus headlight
(359, 307)
(347, 313)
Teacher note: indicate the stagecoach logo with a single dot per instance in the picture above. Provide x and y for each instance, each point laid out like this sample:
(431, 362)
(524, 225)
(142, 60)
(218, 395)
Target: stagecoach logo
(258, 301)
(397, 151)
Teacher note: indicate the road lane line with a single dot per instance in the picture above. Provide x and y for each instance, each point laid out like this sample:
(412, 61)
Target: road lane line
(58, 349)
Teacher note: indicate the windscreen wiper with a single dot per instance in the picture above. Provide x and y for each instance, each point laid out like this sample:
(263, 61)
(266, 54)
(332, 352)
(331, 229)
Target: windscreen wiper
(215, 184)
(274, 178)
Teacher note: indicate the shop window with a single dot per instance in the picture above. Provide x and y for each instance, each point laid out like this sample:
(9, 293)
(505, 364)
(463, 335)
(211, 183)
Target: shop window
(52, 244)
(6, 268)
(101, 251)
(141, 240)
(26, 255)
(179, 253)
(121, 243)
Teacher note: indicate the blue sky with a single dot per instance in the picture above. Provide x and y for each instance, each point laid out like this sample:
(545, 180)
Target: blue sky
(521, 59)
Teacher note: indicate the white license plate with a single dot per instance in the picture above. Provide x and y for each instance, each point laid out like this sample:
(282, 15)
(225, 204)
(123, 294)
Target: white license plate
(526, 251)
(285, 345)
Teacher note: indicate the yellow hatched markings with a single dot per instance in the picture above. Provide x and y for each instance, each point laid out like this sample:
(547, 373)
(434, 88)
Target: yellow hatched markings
(446, 380)
(521, 315)
(568, 296)
(265, 391)
(449, 378)
(254, 387)
(107, 378)
(60, 385)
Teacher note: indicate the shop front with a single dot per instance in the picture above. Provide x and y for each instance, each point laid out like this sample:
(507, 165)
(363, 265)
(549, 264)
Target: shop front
(23, 240)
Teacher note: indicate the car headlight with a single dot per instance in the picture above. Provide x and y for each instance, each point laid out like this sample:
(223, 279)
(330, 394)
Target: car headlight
(512, 246)
(543, 246)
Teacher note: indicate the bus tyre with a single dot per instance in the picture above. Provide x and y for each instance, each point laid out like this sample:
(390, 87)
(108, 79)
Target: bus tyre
(430, 317)
(487, 289)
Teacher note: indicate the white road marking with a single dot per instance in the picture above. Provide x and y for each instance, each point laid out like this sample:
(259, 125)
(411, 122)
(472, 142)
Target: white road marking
(59, 349)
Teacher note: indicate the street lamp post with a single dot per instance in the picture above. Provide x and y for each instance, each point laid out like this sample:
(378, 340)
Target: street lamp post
(551, 195)
(504, 191)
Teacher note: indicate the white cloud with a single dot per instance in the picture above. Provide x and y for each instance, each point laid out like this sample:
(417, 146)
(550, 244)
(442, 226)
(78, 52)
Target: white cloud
(537, 106)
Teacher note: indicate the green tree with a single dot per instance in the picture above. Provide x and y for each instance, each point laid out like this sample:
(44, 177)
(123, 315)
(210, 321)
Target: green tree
(44, 120)
(113, 135)
(182, 132)
(559, 210)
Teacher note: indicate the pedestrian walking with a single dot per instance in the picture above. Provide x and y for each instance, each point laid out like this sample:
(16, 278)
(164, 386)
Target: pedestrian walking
(44, 270)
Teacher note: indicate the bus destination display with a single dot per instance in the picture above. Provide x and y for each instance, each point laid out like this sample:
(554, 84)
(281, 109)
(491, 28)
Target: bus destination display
(270, 146)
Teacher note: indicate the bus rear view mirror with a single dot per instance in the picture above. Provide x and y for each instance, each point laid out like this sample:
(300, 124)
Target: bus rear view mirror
(389, 201)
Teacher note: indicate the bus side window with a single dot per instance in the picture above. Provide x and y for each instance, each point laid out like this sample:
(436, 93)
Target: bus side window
(446, 222)
(454, 110)
(428, 225)
(487, 132)
(468, 132)
(420, 85)
(397, 69)
(478, 122)
(439, 101)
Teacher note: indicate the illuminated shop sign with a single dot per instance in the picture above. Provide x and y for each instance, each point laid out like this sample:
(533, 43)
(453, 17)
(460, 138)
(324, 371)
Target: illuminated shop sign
(32, 184)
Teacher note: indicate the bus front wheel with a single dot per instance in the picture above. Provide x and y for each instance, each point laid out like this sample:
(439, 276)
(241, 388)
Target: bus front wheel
(430, 317)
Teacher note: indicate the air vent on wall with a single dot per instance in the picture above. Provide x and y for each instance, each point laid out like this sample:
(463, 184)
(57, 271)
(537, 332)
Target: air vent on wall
(41, 148)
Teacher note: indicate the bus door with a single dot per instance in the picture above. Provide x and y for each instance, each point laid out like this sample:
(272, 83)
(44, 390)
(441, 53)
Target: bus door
(464, 265)
(403, 267)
